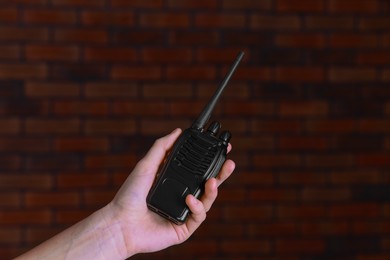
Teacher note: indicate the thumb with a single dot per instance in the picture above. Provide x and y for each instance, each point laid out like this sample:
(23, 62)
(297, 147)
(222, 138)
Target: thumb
(154, 157)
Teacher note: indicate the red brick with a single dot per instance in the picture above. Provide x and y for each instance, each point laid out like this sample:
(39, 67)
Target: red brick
(385, 76)
(355, 211)
(82, 180)
(193, 4)
(9, 199)
(234, 91)
(71, 216)
(52, 126)
(220, 20)
(387, 143)
(23, 71)
(138, 4)
(374, 23)
(352, 74)
(10, 163)
(29, 2)
(256, 179)
(163, 20)
(206, 247)
(159, 90)
(35, 181)
(291, 246)
(231, 195)
(375, 159)
(161, 127)
(49, 16)
(253, 73)
(110, 161)
(353, 40)
(269, 22)
(190, 109)
(164, 55)
(373, 58)
(219, 230)
(356, 177)
(353, 6)
(24, 144)
(81, 35)
(216, 55)
(8, 14)
(277, 126)
(52, 199)
(136, 72)
(303, 143)
(257, 247)
(299, 74)
(110, 126)
(303, 178)
(331, 126)
(9, 33)
(385, 244)
(47, 89)
(81, 144)
(370, 228)
(35, 235)
(330, 160)
(328, 227)
(247, 4)
(326, 194)
(303, 108)
(247, 213)
(25, 217)
(191, 73)
(237, 126)
(329, 22)
(252, 143)
(273, 229)
(301, 40)
(301, 212)
(110, 89)
(99, 18)
(141, 108)
(52, 53)
(374, 126)
(45, 163)
(10, 235)
(385, 40)
(99, 198)
(184, 38)
(273, 195)
(277, 160)
(301, 6)
(245, 108)
(110, 54)
(386, 210)
(79, 3)
(10, 52)
(247, 38)
(92, 108)
(10, 126)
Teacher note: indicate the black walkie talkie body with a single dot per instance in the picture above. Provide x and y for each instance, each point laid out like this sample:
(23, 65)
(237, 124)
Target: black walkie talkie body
(196, 156)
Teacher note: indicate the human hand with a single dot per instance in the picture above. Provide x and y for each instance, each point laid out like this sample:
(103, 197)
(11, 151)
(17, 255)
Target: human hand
(145, 231)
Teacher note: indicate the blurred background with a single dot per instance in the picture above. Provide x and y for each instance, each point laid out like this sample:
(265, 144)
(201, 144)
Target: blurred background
(86, 86)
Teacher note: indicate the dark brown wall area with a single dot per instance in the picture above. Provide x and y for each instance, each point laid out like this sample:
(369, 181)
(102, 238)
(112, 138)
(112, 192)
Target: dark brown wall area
(87, 86)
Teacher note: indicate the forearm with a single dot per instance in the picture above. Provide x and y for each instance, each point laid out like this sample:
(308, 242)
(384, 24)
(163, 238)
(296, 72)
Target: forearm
(99, 236)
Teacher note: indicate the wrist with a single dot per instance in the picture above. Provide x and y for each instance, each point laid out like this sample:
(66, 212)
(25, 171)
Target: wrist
(113, 234)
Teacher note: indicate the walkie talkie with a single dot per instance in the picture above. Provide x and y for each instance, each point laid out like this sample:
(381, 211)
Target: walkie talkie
(197, 156)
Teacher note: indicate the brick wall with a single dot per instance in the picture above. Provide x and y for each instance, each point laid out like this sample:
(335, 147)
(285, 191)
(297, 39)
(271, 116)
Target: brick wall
(86, 86)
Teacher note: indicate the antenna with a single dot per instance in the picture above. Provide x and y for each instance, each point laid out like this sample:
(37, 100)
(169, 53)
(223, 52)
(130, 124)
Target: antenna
(208, 109)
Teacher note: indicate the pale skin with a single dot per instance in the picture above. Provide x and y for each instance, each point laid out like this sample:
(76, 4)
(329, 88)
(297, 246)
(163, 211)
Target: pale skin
(125, 226)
